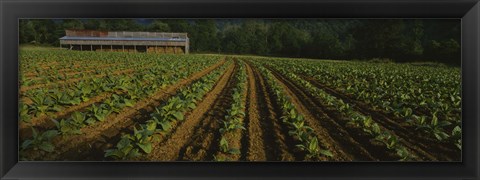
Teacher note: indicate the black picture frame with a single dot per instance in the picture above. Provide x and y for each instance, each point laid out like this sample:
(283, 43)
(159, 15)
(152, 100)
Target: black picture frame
(467, 10)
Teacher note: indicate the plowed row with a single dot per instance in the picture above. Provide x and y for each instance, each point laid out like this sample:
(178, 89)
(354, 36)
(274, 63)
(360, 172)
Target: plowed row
(264, 136)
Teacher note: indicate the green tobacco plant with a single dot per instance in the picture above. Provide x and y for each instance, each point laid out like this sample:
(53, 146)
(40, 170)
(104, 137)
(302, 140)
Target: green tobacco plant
(43, 104)
(127, 102)
(300, 131)
(234, 116)
(114, 103)
(233, 119)
(124, 150)
(134, 93)
(73, 124)
(295, 121)
(193, 94)
(456, 137)
(131, 145)
(404, 154)
(143, 137)
(25, 81)
(140, 141)
(40, 141)
(66, 127)
(83, 91)
(357, 119)
(313, 150)
(229, 126)
(64, 98)
(435, 128)
(388, 139)
(224, 147)
(220, 158)
(100, 112)
(23, 112)
(122, 84)
(345, 107)
(172, 111)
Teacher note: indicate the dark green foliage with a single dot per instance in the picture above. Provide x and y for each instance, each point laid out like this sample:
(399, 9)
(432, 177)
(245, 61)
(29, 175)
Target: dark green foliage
(158, 26)
(40, 141)
(436, 40)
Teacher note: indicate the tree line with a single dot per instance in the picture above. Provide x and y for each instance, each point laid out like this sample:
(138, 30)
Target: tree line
(400, 40)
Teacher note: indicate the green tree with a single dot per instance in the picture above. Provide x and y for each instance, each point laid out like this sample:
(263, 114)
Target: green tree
(178, 25)
(400, 40)
(158, 26)
(287, 40)
(96, 24)
(205, 37)
(72, 24)
(123, 25)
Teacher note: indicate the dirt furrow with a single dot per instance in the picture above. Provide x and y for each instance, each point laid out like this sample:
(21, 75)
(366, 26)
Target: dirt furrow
(278, 145)
(68, 70)
(72, 72)
(429, 148)
(58, 64)
(207, 137)
(350, 140)
(66, 75)
(256, 137)
(69, 81)
(125, 71)
(359, 105)
(170, 149)
(45, 122)
(324, 135)
(114, 122)
(239, 136)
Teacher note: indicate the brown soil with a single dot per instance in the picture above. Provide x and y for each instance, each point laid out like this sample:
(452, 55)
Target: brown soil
(362, 138)
(265, 138)
(114, 123)
(256, 150)
(300, 100)
(67, 75)
(278, 145)
(26, 100)
(430, 148)
(49, 65)
(239, 136)
(72, 72)
(350, 140)
(75, 64)
(84, 67)
(335, 114)
(206, 139)
(170, 149)
(69, 81)
(34, 74)
(44, 121)
(236, 139)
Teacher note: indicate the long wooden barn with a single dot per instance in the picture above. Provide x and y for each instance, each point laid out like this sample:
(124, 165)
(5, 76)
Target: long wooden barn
(126, 41)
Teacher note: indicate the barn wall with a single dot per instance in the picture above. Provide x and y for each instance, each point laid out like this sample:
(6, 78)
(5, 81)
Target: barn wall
(170, 42)
(86, 33)
(128, 34)
(138, 43)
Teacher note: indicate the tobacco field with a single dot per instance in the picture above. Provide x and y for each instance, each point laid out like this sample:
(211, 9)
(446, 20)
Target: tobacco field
(113, 106)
